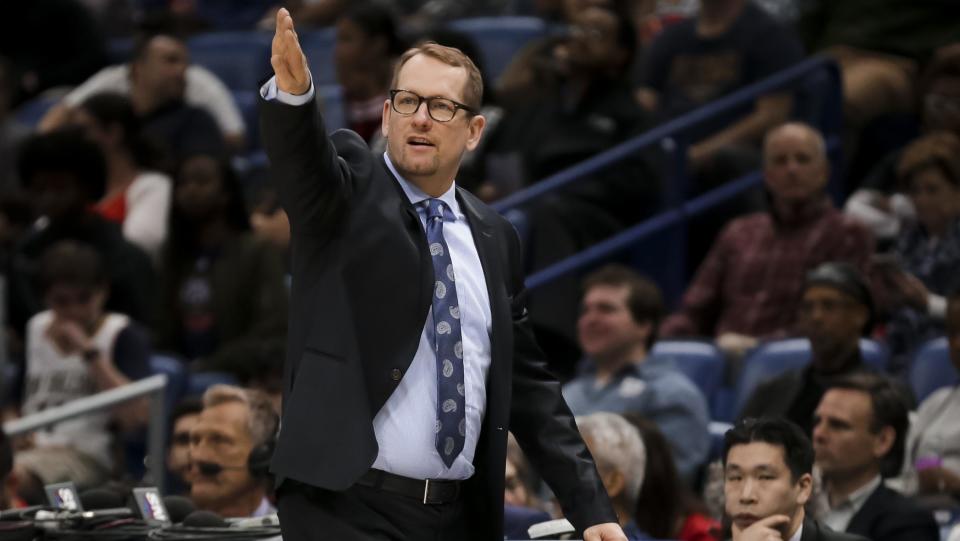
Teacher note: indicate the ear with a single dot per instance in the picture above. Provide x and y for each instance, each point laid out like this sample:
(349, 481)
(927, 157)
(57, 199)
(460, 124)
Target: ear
(804, 489)
(614, 482)
(883, 441)
(385, 118)
(477, 123)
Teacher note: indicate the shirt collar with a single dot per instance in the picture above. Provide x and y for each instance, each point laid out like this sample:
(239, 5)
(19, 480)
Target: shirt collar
(797, 534)
(858, 497)
(416, 195)
(265, 508)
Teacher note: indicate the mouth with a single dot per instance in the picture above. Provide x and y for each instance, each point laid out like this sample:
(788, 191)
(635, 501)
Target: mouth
(421, 142)
(745, 520)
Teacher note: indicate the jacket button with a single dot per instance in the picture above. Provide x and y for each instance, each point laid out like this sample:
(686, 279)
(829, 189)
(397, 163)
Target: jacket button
(396, 374)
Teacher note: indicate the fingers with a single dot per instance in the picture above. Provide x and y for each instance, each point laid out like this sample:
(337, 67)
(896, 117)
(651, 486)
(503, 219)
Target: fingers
(773, 521)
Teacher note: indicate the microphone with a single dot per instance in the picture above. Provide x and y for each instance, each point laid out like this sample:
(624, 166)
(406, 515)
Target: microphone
(210, 469)
(204, 519)
(102, 498)
(179, 508)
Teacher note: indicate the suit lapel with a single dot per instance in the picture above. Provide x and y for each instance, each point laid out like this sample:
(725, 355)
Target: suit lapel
(860, 522)
(411, 221)
(489, 252)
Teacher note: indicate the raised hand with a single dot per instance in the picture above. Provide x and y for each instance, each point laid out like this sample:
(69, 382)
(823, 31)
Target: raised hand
(286, 57)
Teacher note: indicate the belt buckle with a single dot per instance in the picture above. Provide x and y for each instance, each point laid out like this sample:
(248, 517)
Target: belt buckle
(426, 491)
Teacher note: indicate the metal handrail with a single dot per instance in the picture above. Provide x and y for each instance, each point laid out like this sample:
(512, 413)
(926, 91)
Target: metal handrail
(152, 386)
(670, 137)
(668, 129)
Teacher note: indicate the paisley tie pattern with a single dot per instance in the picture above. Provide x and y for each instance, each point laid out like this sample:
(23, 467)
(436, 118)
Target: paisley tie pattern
(450, 425)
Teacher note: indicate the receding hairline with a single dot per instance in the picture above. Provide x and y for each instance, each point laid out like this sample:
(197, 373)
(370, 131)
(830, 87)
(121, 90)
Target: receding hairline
(452, 57)
(820, 145)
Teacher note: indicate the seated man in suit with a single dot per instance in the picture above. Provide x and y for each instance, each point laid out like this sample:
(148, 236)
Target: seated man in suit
(767, 466)
(619, 316)
(836, 309)
(858, 436)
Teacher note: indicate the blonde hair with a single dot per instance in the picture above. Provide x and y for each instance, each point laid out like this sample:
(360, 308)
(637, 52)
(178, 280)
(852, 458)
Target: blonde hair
(263, 419)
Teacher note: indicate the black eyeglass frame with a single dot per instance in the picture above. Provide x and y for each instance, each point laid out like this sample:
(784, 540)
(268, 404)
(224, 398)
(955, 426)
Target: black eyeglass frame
(420, 99)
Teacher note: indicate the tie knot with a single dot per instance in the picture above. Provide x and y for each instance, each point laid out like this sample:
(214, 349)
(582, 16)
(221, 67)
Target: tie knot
(435, 208)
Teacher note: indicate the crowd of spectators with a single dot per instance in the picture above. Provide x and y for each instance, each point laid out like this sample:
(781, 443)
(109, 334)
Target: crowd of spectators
(137, 219)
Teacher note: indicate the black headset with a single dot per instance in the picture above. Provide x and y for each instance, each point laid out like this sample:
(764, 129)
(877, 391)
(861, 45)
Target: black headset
(258, 462)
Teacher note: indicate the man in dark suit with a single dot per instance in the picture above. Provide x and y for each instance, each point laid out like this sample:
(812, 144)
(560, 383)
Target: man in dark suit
(859, 431)
(767, 480)
(408, 331)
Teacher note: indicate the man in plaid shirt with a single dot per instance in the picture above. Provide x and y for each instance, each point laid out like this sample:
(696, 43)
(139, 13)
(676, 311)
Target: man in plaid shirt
(749, 286)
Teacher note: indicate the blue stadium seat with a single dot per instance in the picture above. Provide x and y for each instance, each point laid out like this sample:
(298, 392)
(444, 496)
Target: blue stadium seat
(318, 46)
(239, 59)
(30, 113)
(500, 38)
(931, 369)
(776, 357)
(700, 361)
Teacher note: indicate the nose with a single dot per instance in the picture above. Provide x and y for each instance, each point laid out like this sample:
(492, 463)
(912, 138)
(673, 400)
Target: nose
(421, 117)
(819, 433)
(747, 494)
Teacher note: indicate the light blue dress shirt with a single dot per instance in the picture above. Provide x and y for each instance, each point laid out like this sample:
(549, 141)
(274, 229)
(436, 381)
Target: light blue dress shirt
(404, 426)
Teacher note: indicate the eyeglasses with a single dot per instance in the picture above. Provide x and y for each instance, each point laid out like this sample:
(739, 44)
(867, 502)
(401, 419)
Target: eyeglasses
(439, 109)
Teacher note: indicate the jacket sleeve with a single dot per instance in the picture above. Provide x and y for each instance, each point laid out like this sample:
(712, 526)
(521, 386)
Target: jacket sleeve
(313, 182)
(543, 424)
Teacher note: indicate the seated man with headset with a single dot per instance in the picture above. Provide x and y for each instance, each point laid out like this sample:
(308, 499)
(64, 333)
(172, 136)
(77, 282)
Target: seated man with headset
(230, 450)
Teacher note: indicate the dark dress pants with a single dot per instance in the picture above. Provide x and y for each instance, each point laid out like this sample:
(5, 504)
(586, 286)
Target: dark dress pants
(363, 513)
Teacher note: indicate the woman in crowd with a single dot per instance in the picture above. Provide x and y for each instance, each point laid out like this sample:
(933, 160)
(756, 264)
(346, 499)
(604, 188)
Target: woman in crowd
(933, 446)
(222, 288)
(137, 196)
(928, 251)
(666, 507)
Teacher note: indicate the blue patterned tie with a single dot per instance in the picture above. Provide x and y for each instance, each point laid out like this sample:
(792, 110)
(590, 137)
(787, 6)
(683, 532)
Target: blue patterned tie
(451, 426)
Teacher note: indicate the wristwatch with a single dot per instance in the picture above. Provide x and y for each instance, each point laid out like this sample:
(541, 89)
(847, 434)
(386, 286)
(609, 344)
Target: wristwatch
(90, 354)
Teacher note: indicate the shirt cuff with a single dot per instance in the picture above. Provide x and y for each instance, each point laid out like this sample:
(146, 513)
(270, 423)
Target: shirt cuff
(270, 92)
(936, 306)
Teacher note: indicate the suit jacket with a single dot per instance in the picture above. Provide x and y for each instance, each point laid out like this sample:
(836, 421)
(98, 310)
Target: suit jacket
(362, 283)
(888, 515)
(814, 531)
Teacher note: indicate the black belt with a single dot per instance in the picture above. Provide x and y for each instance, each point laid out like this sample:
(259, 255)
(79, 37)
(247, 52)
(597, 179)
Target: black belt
(429, 491)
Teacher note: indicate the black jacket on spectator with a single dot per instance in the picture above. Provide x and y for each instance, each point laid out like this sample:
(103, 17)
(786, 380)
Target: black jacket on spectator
(814, 531)
(183, 130)
(888, 515)
(795, 394)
